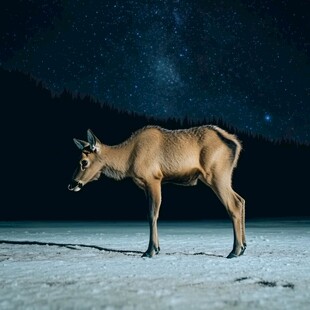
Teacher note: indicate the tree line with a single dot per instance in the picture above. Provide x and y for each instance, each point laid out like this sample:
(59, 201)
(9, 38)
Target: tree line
(38, 158)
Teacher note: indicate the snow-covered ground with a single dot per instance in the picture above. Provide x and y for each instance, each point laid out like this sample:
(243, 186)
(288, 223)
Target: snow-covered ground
(191, 271)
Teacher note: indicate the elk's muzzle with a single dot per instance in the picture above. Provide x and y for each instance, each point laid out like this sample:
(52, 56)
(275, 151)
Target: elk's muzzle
(75, 186)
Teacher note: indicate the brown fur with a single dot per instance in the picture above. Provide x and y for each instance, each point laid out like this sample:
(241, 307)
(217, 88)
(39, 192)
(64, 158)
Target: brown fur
(153, 155)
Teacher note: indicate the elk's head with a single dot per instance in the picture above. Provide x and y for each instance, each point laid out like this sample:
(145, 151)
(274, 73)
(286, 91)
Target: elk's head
(90, 164)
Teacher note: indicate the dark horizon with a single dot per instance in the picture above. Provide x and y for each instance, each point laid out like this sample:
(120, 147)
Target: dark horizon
(183, 122)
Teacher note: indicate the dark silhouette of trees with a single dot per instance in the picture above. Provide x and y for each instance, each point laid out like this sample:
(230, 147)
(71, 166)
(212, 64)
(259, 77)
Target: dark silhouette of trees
(38, 158)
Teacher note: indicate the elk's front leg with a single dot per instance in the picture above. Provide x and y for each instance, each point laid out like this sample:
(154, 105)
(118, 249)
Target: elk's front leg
(154, 197)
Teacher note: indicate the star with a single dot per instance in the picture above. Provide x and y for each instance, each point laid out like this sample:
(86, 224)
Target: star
(268, 118)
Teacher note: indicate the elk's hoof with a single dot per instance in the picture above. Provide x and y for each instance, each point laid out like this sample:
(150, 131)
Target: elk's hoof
(243, 249)
(234, 254)
(151, 253)
(147, 254)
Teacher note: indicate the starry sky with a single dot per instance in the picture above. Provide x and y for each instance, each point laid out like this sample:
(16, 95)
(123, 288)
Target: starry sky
(246, 62)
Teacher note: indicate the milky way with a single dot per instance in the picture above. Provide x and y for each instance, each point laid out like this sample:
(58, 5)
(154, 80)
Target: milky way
(246, 64)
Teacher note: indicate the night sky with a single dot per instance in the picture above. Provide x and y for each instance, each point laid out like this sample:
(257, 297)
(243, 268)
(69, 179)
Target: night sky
(247, 62)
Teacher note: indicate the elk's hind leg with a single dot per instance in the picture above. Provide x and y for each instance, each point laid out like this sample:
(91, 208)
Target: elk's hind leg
(234, 209)
(234, 206)
(154, 197)
(243, 221)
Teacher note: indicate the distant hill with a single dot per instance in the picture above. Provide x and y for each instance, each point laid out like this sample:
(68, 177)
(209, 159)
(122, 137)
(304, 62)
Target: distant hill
(38, 158)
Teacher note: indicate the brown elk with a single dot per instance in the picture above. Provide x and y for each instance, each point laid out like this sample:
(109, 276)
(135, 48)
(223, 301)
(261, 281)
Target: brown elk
(153, 155)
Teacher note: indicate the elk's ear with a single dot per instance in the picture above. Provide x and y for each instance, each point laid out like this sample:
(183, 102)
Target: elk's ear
(80, 143)
(93, 141)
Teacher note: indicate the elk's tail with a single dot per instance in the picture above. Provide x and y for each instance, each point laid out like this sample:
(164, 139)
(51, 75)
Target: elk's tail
(232, 142)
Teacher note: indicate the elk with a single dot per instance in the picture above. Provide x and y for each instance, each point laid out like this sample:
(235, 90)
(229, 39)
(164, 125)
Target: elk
(153, 156)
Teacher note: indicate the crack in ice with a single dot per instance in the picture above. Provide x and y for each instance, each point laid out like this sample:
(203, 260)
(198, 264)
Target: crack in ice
(73, 246)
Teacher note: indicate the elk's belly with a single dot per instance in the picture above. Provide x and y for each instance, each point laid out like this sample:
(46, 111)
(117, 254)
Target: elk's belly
(188, 178)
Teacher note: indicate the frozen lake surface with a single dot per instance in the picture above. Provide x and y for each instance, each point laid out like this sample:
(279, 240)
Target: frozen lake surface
(77, 271)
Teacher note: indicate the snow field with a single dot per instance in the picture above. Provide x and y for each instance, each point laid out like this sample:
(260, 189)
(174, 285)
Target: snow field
(191, 271)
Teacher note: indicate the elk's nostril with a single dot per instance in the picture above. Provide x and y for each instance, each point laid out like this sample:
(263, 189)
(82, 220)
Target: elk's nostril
(75, 186)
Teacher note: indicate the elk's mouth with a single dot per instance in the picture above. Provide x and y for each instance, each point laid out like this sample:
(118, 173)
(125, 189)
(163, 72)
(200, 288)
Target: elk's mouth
(75, 186)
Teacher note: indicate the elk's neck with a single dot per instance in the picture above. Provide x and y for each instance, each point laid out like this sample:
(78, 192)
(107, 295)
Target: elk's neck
(116, 160)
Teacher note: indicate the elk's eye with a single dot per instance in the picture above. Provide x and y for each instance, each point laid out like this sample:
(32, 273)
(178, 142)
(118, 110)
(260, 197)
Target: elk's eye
(84, 163)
